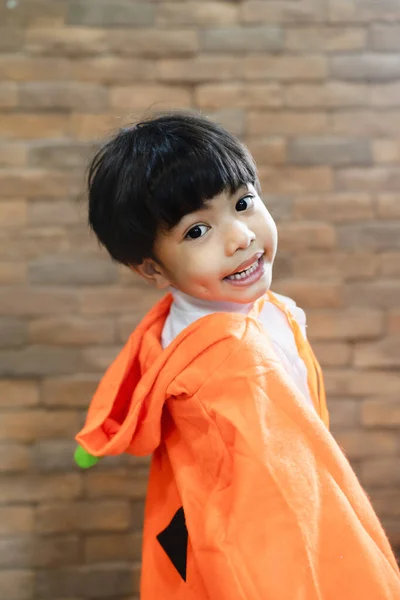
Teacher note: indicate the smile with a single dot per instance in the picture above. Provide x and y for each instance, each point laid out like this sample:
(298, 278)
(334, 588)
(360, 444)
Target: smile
(250, 275)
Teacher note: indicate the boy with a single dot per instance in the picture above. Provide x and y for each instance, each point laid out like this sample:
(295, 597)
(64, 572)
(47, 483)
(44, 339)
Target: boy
(249, 496)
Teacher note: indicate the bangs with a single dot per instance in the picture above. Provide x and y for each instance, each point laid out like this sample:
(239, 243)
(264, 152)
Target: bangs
(190, 179)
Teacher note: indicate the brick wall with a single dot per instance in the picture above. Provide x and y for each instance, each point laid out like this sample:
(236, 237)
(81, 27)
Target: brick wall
(313, 87)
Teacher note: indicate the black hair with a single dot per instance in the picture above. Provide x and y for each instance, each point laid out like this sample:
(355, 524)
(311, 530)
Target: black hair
(150, 175)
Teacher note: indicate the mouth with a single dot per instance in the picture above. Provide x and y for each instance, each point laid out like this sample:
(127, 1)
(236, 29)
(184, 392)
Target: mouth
(248, 272)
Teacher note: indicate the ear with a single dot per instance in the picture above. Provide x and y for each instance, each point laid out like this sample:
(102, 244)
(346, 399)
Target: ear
(152, 273)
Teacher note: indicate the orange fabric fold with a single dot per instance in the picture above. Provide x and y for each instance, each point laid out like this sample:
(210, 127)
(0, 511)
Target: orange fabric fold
(249, 496)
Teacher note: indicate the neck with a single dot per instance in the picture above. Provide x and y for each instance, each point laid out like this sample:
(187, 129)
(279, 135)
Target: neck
(191, 303)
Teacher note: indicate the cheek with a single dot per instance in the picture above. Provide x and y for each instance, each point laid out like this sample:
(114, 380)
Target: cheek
(200, 264)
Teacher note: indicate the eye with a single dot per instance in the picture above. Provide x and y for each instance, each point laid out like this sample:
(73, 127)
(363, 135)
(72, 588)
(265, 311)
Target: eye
(244, 203)
(196, 232)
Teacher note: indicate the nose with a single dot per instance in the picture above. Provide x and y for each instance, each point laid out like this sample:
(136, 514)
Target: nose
(238, 237)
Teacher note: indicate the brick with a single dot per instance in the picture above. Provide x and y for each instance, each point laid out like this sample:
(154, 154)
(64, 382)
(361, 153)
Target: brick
(363, 444)
(56, 551)
(16, 520)
(379, 294)
(99, 581)
(13, 213)
(385, 37)
(359, 384)
(76, 270)
(283, 11)
(8, 95)
(333, 354)
(21, 68)
(112, 547)
(72, 392)
(344, 413)
(92, 127)
(232, 119)
(282, 267)
(13, 155)
(390, 264)
(386, 151)
(201, 68)
(138, 507)
(383, 354)
(385, 502)
(22, 244)
(303, 236)
(53, 96)
(38, 488)
(325, 39)
(329, 150)
(83, 516)
(363, 11)
(292, 180)
(153, 42)
(12, 273)
(236, 40)
(384, 412)
(280, 207)
(113, 69)
(63, 154)
(55, 212)
(337, 208)
(285, 123)
(54, 455)
(332, 94)
(376, 236)
(35, 12)
(381, 472)
(21, 301)
(18, 393)
(33, 183)
(388, 206)
(39, 360)
(338, 265)
(11, 39)
(269, 151)
(73, 42)
(374, 123)
(12, 332)
(116, 301)
(238, 95)
(394, 321)
(31, 126)
(14, 458)
(141, 97)
(349, 324)
(372, 179)
(365, 67)
(385, 95)
(312, 294)
(99, 13)
(99, 357)
(285, 67)
(197, 13)
(71, 331)
(118, 483)
(16, 584)
(29, 425)
(16, 552)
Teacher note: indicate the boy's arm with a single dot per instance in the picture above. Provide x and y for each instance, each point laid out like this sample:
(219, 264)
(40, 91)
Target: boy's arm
(272, 507)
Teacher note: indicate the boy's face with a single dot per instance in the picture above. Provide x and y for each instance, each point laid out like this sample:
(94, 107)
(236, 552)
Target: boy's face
(204, 253)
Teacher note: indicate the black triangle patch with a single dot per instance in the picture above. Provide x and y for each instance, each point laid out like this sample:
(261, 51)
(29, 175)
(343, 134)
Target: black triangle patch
(174, 541)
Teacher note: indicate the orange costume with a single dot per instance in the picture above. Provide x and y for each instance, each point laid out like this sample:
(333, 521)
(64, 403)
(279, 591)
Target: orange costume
(249, 496)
